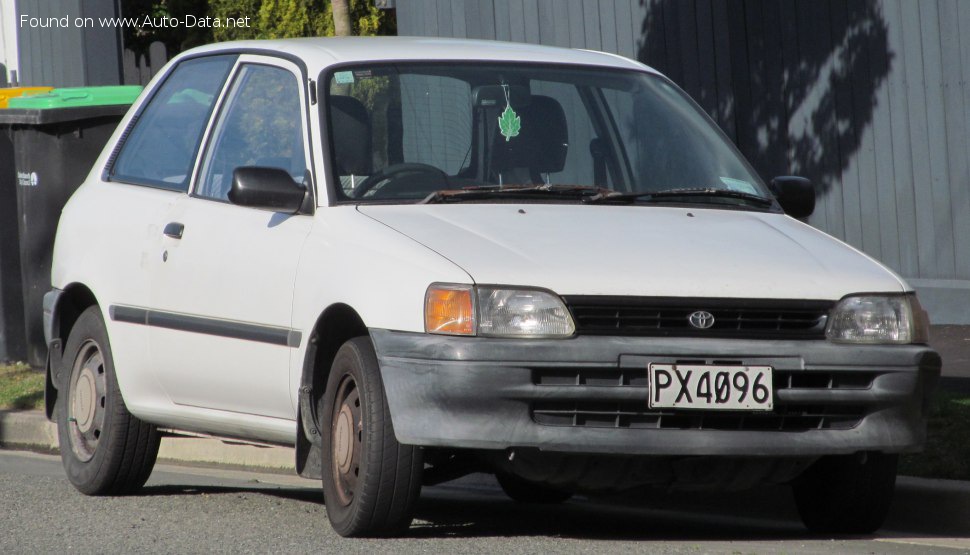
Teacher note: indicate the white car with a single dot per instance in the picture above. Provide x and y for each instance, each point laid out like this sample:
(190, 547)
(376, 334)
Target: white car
(413, 259)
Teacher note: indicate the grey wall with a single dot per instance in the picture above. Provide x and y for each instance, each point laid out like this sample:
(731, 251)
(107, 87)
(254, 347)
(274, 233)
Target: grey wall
(73, 56)
(868, 98)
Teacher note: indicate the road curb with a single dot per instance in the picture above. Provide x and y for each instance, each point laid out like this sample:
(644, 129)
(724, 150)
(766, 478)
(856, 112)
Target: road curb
(32, 431)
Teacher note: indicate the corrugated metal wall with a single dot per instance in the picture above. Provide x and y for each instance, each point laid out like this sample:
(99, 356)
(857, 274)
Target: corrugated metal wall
(74, 56)
(868, 98)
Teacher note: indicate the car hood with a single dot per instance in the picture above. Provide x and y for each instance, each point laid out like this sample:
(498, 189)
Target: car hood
(640, 250)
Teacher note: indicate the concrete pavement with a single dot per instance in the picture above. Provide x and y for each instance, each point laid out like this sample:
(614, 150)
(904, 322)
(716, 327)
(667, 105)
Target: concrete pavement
(30, 430)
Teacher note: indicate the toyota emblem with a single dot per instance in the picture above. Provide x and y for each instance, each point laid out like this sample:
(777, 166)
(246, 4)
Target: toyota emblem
(701, 319)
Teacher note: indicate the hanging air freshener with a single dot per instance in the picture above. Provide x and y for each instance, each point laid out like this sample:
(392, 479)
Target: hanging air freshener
(508, 123)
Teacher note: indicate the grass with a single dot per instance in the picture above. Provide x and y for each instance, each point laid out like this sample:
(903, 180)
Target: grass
(947, 452)
(21, 387)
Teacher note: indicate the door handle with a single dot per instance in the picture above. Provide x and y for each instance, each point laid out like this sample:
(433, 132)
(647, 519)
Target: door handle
(173, 230)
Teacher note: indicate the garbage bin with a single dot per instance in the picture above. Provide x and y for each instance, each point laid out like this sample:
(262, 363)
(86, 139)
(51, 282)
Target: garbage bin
(8, 93)
(12, 339)
(56, 138)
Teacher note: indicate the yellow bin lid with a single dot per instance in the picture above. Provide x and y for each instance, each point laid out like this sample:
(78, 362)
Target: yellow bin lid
(7, 94)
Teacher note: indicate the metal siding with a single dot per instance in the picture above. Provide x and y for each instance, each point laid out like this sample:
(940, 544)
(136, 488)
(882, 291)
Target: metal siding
(939, 193)
(444, 19)
(591, 26)
(72, 56)
(575, 23)
(607, 26)
(102, 46)
(626, 39)
(851, 212)
(722, 63)
(503, 26)
(901, 139)
(486, 15)
(458, 28)
(516, 20)
(884, 179)
(706, 72)
(865, 159)
(548, 30)
(922, 178)
(530, 21)
(960, 182)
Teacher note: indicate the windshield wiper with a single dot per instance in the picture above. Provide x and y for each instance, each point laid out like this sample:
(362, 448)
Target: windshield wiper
(660, 196)
(514, 191)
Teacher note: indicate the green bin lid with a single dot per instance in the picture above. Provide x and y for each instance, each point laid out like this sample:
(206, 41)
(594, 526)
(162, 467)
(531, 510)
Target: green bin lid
(79, 96)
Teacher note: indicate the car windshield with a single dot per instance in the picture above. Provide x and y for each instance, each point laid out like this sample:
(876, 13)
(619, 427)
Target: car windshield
(409, 133)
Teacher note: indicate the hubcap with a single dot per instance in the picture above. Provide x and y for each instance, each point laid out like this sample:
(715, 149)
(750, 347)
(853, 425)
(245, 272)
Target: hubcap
(346, 435)
(87, 396)
(343, 438)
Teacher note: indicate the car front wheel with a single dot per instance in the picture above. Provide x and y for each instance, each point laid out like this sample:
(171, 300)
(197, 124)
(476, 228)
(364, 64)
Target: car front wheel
(105, 450)
(371, 482)
(846, 494)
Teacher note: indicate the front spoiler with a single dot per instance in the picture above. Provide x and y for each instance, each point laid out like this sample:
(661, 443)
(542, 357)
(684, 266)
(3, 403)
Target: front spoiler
(478, 393)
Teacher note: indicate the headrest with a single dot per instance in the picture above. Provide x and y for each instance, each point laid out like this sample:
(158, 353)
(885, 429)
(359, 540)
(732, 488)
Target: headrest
(542, 142)
(351, 135)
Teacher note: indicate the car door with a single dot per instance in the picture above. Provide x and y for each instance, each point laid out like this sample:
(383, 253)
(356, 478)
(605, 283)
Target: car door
(144, 177)
(222, 285)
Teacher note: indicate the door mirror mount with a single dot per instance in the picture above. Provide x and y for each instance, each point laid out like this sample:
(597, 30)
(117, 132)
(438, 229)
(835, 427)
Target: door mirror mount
(796, 195)
(266, 188)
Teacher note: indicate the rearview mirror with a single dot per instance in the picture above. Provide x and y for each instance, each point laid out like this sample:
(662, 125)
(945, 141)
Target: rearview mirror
(486, 96)
(796, 195)
(266, 188)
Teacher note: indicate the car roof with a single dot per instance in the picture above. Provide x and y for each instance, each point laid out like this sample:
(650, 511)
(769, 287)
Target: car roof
(318, 53)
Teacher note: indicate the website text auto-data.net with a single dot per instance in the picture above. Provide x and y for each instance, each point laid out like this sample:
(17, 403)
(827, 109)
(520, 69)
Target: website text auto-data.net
(188, 21)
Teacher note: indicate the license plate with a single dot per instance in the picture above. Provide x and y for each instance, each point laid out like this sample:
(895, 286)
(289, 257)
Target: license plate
(688, 386)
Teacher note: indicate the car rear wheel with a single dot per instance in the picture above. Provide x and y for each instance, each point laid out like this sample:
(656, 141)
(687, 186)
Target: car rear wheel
(846, 494)
(524, 491)
(105, 450)
(371, 482)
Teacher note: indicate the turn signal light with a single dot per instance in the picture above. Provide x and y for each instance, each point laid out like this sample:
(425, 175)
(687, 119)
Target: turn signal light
(448, 309)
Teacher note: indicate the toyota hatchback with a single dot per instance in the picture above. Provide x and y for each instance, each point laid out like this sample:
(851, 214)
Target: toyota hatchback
(413, 259)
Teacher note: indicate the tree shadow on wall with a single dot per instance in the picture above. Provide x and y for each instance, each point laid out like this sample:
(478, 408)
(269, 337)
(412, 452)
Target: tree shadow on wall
(792, 82)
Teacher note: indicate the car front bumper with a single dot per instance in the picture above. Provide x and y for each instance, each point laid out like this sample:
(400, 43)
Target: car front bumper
(589, 395)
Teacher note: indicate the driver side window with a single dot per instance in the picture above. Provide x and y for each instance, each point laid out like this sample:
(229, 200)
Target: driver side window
(260, 125)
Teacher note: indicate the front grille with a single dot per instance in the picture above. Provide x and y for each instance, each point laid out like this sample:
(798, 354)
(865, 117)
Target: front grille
(600, 386)
(669, 317)
(637, 415)
(637, 377)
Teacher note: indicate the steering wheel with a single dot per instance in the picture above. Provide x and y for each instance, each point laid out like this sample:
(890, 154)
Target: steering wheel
(393, 172)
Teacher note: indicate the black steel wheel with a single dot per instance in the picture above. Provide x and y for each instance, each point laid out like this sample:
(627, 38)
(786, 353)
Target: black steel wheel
(105, 450)
(846, 494)
(371, 482)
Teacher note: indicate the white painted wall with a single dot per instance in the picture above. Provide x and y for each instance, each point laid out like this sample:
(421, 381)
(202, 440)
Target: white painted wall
(8, 39)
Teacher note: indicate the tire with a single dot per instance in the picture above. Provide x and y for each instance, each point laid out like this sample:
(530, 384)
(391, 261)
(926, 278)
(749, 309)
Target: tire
(523, 491)
(105, 450)
(371, 483)
(846, 494)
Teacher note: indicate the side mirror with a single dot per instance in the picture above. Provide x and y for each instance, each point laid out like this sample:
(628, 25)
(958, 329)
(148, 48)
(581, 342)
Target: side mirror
(796, 195)
(267, 188)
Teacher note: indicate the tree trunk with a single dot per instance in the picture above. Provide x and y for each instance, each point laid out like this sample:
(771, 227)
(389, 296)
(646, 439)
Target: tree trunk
(341, 17)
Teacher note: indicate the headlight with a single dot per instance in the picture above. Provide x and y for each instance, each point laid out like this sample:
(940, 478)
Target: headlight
(522, 313)
(495, 312)
(878, 319)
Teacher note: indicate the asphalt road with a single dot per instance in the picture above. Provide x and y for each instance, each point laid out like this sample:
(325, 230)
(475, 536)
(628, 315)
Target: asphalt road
(191, 510)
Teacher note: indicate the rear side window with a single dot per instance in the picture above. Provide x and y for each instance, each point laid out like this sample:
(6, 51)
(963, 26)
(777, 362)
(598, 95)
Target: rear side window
(162, 145)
